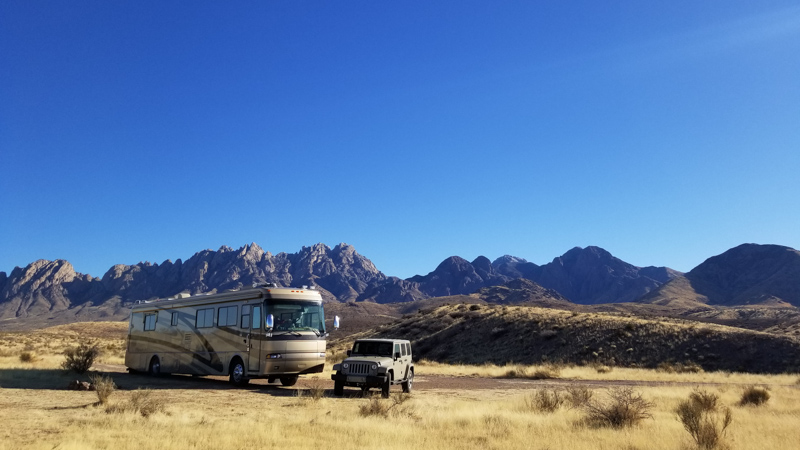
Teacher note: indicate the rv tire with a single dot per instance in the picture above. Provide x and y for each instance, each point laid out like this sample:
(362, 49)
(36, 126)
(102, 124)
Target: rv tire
(155, 367)
(237, 376)
(289, 380)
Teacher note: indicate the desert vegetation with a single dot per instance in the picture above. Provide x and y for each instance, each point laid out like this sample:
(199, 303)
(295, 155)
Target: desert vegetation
(575, 407)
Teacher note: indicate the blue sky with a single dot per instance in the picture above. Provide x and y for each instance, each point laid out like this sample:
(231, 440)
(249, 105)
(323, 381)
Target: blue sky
(664, 132)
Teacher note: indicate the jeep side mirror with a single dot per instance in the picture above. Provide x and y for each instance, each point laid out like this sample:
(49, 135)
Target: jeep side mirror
(348, 352)
(270, 321)
(397, 356)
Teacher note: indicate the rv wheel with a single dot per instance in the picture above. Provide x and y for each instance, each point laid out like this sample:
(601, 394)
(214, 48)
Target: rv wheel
(290, 380)
(237, 373)
(155, 367)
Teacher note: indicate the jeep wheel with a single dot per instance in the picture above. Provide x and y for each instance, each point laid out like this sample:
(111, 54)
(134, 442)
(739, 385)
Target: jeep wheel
(409, 383)
(338, 388)
(387, 383)
(290, 380)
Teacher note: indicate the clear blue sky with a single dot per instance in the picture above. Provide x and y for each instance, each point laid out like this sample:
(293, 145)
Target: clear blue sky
(664, 132)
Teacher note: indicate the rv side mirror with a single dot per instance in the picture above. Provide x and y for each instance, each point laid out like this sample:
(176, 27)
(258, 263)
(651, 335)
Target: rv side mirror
(335, 322)
(270, 321)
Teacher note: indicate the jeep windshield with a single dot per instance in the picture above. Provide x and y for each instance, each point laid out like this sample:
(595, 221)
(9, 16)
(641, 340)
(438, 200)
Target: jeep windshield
(371, 348)
(293, 316)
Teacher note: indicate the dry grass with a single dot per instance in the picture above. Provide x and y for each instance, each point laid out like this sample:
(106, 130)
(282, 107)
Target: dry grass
(40, 414)
(144, 402)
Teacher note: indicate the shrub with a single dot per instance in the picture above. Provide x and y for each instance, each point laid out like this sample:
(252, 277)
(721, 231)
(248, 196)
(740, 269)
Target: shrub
(754, 395)
(669, 367)
(544, 400)
(705, 426)
(547, 372)
(27, 357)
(104, 386)
(599, 368)
(315, 390)
(79, 359)
(577, 396)
(704, 400)
(624, 408)
(141, 401)
(382, 408)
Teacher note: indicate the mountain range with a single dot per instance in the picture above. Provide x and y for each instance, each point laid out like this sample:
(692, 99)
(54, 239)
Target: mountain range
(749, 274)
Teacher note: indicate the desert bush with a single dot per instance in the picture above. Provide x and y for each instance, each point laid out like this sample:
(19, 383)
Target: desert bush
(383, 408)
(141, 401)
(544, 400)
(600, 368)
(704, 400)
(104, 386)
(706, 426)
(547, 372)
(577, 396)
(754, 395)
(27, 357)
(79, 359)
(517, 372)
(315, 390)
(670, 367)
(624, 408)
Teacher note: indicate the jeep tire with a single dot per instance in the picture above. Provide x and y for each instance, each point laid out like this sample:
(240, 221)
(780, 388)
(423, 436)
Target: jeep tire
(409, 383)
(338, 388)
(387, 383)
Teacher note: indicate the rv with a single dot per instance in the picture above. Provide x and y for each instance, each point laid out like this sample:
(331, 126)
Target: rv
(268, 332)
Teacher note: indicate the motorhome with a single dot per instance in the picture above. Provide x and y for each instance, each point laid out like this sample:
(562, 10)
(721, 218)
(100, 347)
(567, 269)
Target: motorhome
(271, 332)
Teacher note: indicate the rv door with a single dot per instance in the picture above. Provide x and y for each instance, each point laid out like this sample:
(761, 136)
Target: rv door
(256, 338)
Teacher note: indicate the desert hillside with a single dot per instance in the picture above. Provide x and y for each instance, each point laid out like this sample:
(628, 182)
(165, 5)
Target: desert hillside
(476, 334)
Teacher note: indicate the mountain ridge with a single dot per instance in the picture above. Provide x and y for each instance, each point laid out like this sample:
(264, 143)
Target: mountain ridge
(585, 276)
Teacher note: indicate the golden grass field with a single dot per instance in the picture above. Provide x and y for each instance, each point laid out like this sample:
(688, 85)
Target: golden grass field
(38, 413)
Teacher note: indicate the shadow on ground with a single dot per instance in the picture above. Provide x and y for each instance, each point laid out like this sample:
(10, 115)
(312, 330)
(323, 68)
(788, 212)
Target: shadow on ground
(56, 379)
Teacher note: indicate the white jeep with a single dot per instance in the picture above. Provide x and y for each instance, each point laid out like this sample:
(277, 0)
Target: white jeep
(374, 363)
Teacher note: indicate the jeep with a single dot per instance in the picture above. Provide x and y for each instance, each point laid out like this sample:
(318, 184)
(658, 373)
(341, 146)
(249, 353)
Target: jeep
(375, 363)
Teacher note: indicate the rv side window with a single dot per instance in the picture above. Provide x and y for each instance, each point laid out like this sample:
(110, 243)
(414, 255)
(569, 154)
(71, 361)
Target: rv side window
(246, 316)
(256, 317)
(205, 318)
(174, 320)
(227, 316)
(149, 322)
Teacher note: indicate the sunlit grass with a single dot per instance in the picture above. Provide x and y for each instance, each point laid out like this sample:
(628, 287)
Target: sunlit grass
(40, 414)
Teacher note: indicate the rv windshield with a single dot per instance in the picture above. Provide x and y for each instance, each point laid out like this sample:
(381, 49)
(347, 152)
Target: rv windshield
(297, 316)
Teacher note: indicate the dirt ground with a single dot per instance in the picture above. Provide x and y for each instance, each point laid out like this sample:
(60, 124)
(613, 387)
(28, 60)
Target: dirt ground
(422, 382)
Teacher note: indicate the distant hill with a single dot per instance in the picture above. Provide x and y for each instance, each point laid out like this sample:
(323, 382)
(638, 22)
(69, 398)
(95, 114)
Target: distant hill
(750, 274)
